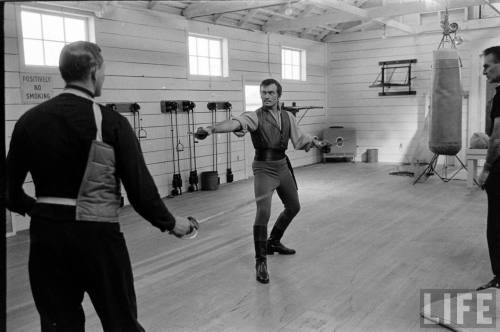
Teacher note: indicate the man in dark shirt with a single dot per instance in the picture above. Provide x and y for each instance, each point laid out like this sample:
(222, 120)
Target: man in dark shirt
(490, 176)
(77, 152)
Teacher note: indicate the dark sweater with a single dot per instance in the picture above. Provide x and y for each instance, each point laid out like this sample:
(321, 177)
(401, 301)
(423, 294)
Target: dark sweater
(52, 142)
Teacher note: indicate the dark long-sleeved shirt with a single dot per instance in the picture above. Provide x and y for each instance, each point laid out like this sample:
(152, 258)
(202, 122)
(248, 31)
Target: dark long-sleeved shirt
(52, 142)
(495, 113)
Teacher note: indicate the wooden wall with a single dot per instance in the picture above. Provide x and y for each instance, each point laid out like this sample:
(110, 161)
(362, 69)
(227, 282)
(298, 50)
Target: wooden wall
(396, 125)
(146, 62)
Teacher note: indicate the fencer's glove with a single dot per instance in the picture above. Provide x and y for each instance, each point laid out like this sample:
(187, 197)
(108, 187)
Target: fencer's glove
(185, 226)
(323, 145)
(203, 132)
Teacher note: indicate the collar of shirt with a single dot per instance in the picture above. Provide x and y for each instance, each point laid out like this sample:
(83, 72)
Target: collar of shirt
(78, 92)
(276, 115)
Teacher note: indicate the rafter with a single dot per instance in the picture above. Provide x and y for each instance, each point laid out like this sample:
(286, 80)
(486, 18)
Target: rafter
(273, 13)
(221, 7)
(151, 4)
(306, 12)
(360, 26)
(363, 13)
(491, 6)
(216, 18)
(248, 16)
(379, 12)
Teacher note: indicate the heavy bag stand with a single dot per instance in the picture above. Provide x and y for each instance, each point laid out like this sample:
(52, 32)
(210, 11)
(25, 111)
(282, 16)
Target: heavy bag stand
(170, 107)
(431, 169)
(448, 29)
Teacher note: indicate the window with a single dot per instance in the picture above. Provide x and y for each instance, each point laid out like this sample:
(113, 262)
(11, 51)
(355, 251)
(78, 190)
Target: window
(207, 56)
(252, 98)
(44, 33)
(293, 64)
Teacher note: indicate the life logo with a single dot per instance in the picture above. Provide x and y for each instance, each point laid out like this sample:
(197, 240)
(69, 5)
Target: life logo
(458, 308)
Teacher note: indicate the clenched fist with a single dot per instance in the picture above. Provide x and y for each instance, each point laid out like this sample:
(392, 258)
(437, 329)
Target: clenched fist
(185, 227)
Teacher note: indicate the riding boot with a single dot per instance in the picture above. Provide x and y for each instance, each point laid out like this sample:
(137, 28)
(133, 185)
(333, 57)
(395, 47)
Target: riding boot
(260, 235)
(274, 244)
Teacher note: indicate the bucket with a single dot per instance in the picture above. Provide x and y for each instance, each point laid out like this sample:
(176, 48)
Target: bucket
(371, 155)
(209, 180)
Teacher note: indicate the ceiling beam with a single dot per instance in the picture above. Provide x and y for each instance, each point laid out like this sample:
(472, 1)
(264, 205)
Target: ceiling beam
(216, 18)
(306, 12)
(273, 13)
(248, 16)
(222, 7)
(151, 4)
(360, 26)
(378, 12)
(491, 6)
(363, 13)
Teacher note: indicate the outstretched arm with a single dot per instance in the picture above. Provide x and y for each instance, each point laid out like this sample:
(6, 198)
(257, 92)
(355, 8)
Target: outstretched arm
(226, 126)
(247, 121)
(301, 140)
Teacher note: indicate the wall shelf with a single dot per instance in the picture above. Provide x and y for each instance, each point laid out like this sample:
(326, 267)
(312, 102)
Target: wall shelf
(385, 78)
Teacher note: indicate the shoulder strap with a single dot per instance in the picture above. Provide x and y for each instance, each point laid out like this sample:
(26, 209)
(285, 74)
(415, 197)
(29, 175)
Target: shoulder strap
(98, 121)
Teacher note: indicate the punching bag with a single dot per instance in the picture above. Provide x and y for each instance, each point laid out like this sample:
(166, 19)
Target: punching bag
(445, 132)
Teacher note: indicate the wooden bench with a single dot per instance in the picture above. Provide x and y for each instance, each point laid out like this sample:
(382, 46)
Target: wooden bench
(472, 156)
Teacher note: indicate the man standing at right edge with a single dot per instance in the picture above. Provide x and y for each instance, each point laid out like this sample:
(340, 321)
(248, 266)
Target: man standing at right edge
(489, 178)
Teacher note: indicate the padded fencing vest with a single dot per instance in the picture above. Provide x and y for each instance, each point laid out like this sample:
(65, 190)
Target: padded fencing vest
(268, 134)
(99, 195)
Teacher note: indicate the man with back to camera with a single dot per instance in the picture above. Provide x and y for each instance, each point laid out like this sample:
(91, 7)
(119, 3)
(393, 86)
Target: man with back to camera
(77, 152)
(489, 178)
(271, 129)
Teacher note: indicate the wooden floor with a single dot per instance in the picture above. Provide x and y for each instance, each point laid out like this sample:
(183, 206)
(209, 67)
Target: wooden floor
(366, 243)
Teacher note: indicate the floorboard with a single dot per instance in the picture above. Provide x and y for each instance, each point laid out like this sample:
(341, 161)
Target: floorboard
(366, 243)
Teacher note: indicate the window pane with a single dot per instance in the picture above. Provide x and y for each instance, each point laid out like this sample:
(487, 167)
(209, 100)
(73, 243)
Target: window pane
(192, 45)
(296, 58)
(288, 57)
(32, 25)
(53, 28)
(215, 67)
(287, 73)
(214, 48)
(193, 65)
(52, 52)
(33, 52)
(202, 44)
(75, 29)
(203, 66)
(296, 73)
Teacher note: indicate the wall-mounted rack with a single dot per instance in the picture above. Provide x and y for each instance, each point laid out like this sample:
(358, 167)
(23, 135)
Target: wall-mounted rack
(386, 78)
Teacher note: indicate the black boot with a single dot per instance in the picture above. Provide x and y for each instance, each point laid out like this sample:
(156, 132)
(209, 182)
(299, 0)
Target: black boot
(274, 244)
(493, 283)
(260, 235)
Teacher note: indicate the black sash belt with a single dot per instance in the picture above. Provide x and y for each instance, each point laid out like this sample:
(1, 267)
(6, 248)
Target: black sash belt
(269, 154)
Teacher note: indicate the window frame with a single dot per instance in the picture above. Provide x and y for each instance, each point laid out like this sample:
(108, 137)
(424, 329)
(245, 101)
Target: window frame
(48, 10)
(224, 57)
(302, 65)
